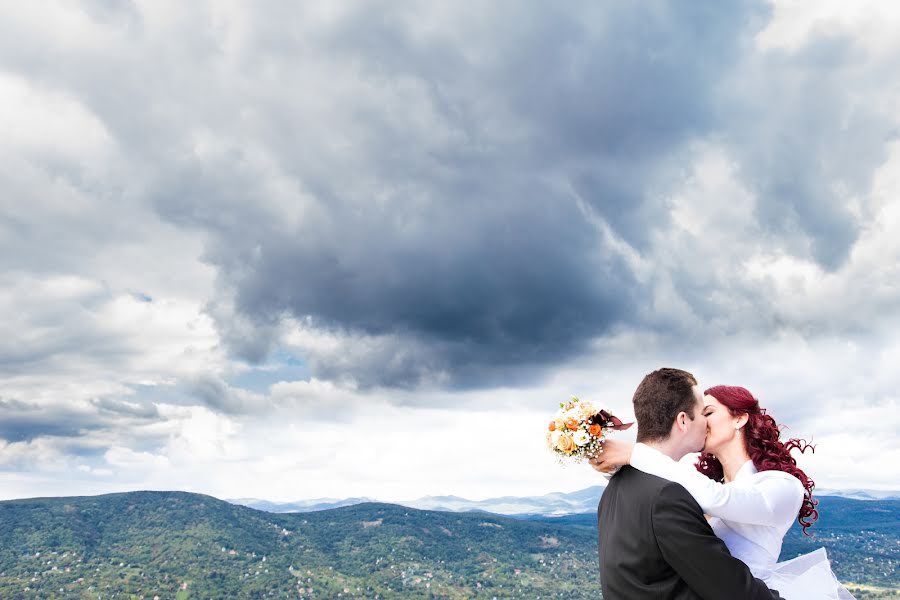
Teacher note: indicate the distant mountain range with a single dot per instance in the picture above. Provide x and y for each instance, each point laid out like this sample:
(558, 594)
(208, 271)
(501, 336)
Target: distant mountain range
(549, 504)
(860, 494)
(555, 504)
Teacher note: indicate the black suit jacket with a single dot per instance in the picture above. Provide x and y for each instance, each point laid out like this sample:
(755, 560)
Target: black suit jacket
(655, 543)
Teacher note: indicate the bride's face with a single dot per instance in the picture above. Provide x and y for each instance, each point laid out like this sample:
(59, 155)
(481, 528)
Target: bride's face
(720, 425)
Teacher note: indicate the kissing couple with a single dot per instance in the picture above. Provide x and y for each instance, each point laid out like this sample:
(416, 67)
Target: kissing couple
(654, 539)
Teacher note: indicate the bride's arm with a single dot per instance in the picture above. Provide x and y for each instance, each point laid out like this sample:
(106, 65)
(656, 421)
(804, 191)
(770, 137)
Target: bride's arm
(764, 501)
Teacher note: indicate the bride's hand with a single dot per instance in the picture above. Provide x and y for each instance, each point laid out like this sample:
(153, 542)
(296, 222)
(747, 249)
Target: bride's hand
(615, 454)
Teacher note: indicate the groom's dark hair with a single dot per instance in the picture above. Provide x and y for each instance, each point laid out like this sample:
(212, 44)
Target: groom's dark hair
(659, 398)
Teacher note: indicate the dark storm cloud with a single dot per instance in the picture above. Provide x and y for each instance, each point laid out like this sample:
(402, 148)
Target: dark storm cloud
(504, 280)
(599, 97)
(23, 421)
(462, 244)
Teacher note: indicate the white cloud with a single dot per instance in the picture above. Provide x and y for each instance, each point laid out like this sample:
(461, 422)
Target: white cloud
(793, 22)
(134, 462)
(49, 124)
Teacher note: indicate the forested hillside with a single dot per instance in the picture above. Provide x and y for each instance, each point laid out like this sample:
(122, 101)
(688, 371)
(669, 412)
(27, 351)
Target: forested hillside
(172, 544)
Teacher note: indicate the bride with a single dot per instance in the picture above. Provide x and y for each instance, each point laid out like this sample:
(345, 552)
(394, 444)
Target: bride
(750, 485)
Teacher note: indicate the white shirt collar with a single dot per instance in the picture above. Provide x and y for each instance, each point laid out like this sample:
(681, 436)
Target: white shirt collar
(746, 470)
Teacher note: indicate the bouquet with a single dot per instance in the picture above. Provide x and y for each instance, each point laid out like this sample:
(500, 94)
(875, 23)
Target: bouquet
(578, 429)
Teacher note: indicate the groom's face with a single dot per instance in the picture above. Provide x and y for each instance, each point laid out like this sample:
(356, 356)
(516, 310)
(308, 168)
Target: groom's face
(695, 437)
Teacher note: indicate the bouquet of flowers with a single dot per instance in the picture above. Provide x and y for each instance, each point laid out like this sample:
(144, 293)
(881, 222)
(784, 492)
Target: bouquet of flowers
(578, 429)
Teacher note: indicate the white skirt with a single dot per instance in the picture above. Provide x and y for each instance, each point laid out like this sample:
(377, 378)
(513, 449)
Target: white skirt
(807, 577)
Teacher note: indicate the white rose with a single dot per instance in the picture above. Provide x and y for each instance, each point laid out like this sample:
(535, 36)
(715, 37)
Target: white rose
(581, 437)
(554, 438)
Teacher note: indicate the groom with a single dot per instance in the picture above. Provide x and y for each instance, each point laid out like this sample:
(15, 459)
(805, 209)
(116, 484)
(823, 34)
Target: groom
(654, 541)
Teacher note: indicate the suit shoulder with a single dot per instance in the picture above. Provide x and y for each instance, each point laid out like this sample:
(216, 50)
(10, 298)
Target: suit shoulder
(630, 479)
(658, 487)
(671, 490)
(671, 494)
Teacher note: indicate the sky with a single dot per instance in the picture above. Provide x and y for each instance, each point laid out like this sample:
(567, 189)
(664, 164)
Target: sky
(364, 249)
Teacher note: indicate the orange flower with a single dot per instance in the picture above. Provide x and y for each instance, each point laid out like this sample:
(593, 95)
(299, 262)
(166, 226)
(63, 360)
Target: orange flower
(572, 424)
(595, 430)
(552, 426)
(565, 444)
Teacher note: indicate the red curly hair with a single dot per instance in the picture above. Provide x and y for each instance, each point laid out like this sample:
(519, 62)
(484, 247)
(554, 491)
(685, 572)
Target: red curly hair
(767, 452)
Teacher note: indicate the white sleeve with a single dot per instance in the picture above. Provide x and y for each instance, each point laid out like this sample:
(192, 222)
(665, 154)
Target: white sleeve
(772, 499)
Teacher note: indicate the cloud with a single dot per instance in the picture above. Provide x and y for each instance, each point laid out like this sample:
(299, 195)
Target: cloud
(810, 157)
(525, 204)
(114, 406)
(465, 197)
(427, 204)
(23, 423)
(219, 396)
(128, 459)
(222, 222)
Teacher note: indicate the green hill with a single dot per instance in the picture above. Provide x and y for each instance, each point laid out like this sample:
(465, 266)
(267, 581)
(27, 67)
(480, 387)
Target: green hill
(180, 545)
(159, 543)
